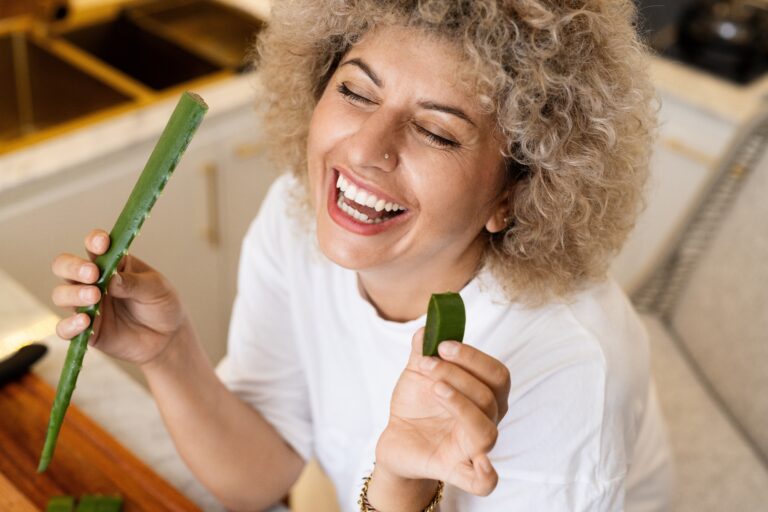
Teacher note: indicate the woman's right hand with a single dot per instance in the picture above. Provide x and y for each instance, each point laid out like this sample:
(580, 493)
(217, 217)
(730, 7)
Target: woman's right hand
(140, 314)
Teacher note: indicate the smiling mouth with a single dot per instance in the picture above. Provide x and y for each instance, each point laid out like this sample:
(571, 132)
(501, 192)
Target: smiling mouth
(363, 205)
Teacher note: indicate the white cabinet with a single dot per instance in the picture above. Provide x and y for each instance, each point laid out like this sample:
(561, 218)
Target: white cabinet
(193, 234)
(690, 143)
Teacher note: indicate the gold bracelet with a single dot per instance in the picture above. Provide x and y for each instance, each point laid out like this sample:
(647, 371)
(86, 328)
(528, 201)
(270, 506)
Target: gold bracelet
(365, 506)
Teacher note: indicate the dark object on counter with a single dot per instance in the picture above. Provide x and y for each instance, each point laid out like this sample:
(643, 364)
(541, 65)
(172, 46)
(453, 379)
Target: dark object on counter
(726, 37)
(19, 362)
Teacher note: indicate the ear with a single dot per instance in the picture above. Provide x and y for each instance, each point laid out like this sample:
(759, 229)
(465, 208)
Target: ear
(498, 220)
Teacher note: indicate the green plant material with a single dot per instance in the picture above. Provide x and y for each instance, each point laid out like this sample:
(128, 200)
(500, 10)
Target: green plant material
(98, 503)
(445, 321)
(170, 146)
(60, 504)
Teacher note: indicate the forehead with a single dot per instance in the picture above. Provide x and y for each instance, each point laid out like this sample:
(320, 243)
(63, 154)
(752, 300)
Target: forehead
(410, 58)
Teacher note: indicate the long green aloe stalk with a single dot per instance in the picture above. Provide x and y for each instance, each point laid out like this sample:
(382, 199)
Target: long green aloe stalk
(173, 141)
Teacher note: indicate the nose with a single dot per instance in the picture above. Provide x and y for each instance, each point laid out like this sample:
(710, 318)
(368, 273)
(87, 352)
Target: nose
(374, 144)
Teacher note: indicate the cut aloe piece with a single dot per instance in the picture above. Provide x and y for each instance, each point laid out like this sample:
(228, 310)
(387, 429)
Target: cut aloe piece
(60, 504)
(97, 503)
(445, 321)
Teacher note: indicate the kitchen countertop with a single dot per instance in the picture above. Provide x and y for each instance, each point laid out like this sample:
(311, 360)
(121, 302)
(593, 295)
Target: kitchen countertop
(716, 96)
(104, 392)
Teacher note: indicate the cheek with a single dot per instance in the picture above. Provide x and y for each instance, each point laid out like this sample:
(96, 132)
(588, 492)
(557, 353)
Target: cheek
(318, 144)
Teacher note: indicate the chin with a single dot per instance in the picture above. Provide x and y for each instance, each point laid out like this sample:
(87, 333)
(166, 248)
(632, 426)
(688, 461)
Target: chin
(343, 252)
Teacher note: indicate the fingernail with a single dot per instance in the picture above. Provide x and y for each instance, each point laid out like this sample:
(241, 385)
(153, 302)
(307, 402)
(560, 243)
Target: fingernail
(85, 272)
(86, 294)
(443, 389)
(428, 363)
(448, 348)
(117, 279)
(82, 320)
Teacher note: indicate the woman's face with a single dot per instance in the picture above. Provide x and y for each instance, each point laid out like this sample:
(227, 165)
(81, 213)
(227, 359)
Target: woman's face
(394, 122)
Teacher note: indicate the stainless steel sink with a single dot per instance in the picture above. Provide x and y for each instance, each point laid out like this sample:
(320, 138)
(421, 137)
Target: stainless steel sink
(38, 89)
(137, 51)
(55, 73)
(220, 32)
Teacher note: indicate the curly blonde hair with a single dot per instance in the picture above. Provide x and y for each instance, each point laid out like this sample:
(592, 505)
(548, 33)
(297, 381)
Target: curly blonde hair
(567, 84)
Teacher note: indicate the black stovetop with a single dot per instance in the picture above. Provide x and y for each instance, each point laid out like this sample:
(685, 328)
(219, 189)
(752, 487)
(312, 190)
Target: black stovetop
(658, 24)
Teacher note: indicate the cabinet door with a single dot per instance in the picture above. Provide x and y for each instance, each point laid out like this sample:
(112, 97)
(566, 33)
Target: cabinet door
(244, 177)
(175, 241)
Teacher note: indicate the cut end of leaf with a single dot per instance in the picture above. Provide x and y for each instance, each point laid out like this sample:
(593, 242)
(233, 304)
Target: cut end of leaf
(197, 99)
(446, 318)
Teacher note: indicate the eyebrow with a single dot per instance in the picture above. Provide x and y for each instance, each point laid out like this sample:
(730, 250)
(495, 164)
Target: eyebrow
(429, 105)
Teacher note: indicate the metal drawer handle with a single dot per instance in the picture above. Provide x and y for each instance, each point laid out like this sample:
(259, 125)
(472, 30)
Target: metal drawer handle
(211, 229)
(249, 150)
(687, 151)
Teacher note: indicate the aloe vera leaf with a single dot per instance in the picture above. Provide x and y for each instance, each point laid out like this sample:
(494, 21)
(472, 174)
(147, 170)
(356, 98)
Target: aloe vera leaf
(175, 138)
(96, 503)
(60, 504)
(445, 321)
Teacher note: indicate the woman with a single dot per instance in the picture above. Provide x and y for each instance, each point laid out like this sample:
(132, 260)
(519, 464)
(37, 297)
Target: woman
(493, 148)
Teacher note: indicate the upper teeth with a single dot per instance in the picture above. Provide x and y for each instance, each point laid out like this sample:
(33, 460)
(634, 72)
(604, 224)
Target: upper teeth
(364, 197)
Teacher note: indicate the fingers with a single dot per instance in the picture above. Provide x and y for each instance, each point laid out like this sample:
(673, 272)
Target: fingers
(463, 381)
(487, 369)
(146, 287)
(478, 436)
(75, 269)
(71, 326)
(70, 295)
(491, 372)
(480, 432)
(96, 243)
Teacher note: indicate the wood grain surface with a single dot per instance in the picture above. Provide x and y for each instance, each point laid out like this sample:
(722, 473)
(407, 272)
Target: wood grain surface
(87, 459)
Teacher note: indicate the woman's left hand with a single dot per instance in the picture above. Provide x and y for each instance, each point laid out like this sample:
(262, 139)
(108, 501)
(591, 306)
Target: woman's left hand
(443, 418)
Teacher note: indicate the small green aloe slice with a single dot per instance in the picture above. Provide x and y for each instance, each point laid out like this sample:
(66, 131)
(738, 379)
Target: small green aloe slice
(445, 321)
(60, 504)
(98, 503)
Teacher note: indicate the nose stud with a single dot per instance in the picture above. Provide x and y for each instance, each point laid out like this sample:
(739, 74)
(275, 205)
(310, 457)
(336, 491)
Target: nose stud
(386, 156)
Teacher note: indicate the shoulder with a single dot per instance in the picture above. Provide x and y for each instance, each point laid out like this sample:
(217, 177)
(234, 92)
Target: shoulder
(278, 223)
(596, 340)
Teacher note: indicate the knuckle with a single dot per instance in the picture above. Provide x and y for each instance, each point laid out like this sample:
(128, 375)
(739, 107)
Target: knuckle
(488, 401)
(500, 375)
(489, 437)
(503, 411)
(488, 485)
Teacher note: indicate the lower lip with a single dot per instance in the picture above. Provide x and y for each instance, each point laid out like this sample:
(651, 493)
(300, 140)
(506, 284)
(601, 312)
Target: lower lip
(354, 225)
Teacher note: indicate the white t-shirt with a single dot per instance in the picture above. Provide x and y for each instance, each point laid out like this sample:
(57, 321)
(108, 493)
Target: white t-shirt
(583, 431)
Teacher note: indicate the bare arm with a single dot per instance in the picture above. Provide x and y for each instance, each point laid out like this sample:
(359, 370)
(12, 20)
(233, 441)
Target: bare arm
(226, 443)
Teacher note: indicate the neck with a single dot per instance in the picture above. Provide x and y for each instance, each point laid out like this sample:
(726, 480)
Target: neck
(401, 295)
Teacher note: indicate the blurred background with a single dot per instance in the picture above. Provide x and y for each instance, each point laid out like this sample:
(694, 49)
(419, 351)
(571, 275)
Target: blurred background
(87, 85)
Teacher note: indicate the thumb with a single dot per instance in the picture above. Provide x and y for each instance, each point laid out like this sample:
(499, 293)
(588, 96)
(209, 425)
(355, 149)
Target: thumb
(139, 286)
(417, 344)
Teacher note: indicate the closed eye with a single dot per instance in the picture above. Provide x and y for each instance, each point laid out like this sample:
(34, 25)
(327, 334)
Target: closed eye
(434, 139)
(344, 90)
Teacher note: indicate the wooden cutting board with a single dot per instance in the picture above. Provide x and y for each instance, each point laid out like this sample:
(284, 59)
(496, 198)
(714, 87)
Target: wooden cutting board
(87, 459)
